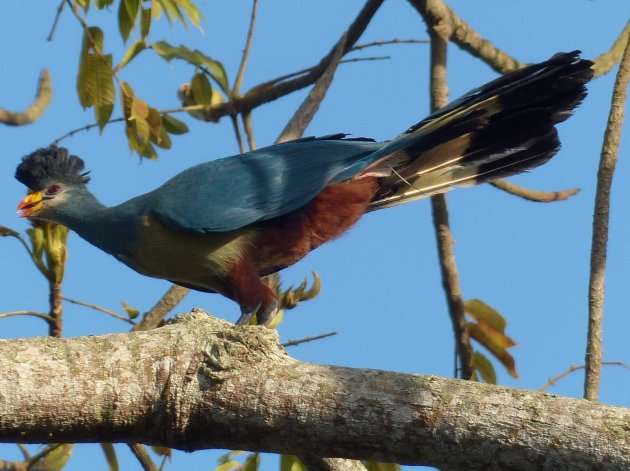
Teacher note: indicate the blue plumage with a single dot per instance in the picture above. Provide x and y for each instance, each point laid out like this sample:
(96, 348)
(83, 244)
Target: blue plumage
(233, 192)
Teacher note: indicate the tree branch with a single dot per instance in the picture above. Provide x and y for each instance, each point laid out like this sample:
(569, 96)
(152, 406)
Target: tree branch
(439, 33)
(599, 243)
(154, 317)
(606, 61)
(534, 195)
(463, 35)
(200, 382)
(36, 109)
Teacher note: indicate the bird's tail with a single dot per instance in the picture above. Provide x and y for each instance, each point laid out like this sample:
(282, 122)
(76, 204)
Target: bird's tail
(502, 128)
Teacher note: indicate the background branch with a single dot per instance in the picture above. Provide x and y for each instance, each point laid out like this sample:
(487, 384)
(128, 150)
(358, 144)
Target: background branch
(601, 216)
(36, 109)
(438, 32)
(534, 195)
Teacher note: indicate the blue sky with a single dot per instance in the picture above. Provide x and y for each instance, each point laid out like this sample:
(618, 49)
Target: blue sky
(381, 285)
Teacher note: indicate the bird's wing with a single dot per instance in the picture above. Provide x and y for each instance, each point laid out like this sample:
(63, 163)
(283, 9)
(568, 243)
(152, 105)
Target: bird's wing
(233, 192)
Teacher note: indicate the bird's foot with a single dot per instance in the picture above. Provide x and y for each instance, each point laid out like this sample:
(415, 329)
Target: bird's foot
(264, 313)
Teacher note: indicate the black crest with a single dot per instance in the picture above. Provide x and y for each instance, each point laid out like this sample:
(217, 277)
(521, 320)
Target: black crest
(51, 163)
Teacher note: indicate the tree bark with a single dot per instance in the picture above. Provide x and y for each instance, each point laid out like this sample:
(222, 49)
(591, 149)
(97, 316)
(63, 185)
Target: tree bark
(200, 382)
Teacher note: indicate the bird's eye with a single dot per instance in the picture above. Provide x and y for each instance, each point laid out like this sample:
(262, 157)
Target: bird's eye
(53, 189)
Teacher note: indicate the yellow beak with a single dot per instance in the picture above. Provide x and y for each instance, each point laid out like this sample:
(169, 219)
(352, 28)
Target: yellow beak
(31, 204)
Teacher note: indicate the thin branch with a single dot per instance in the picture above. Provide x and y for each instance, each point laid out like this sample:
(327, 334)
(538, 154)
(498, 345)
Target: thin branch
(387, 42)
(436, 12)
(249, 130)
(99, 308)
(293, 343)
(36, 109)
(248, 45)
(154, 317)
(55, 300)
(56, 21)
(448, 266)
(40, 315)
(534, 195)
(608, 160)
(87, 127)
(24, 450)
(606, 61)
(145, 460)
(573, 368)
(237, 134)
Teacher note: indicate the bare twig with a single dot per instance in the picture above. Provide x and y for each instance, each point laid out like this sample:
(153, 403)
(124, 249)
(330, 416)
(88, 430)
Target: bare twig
(292, 343)
(56, 21)
(36, 109)
(386, 42)
(304, 114)
(152, 318)
(145, 460)
(87, 127)
(448, 267)
(249, 130)
(573, 368)
(41, 315)
(436, 12)
(534, 195)
(606, 61)
(99, 308)
(237, 134)
(605, 174)
(248, 45)
(24, 450)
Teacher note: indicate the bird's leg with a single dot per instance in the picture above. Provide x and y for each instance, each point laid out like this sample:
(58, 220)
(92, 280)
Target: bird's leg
(248, 290)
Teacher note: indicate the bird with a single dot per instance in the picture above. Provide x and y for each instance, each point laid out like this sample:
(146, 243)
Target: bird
(222, 225)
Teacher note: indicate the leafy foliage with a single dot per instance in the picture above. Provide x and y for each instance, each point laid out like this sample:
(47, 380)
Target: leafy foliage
(489, 330)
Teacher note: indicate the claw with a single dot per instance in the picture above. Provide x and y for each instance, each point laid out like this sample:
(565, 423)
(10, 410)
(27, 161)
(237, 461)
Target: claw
(264, 316)
(247, 314)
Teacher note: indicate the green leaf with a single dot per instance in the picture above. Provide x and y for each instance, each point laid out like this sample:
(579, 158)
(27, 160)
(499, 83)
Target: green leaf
(135, 49)
(481, 312)
(197, 58)
(228, 465)
(100, 4)
(252, 462)
(127, 17)
(484, 367)
(145, 22)
(172, 11)
(132, 312)
(194, 15)
(174, 125)
(104, 92)
(229, 456)
(86, 98)
(291, 463)
(201, 90)
(110, 456)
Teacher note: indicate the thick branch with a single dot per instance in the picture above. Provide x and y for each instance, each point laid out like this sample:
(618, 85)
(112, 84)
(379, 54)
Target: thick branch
(201, 382)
